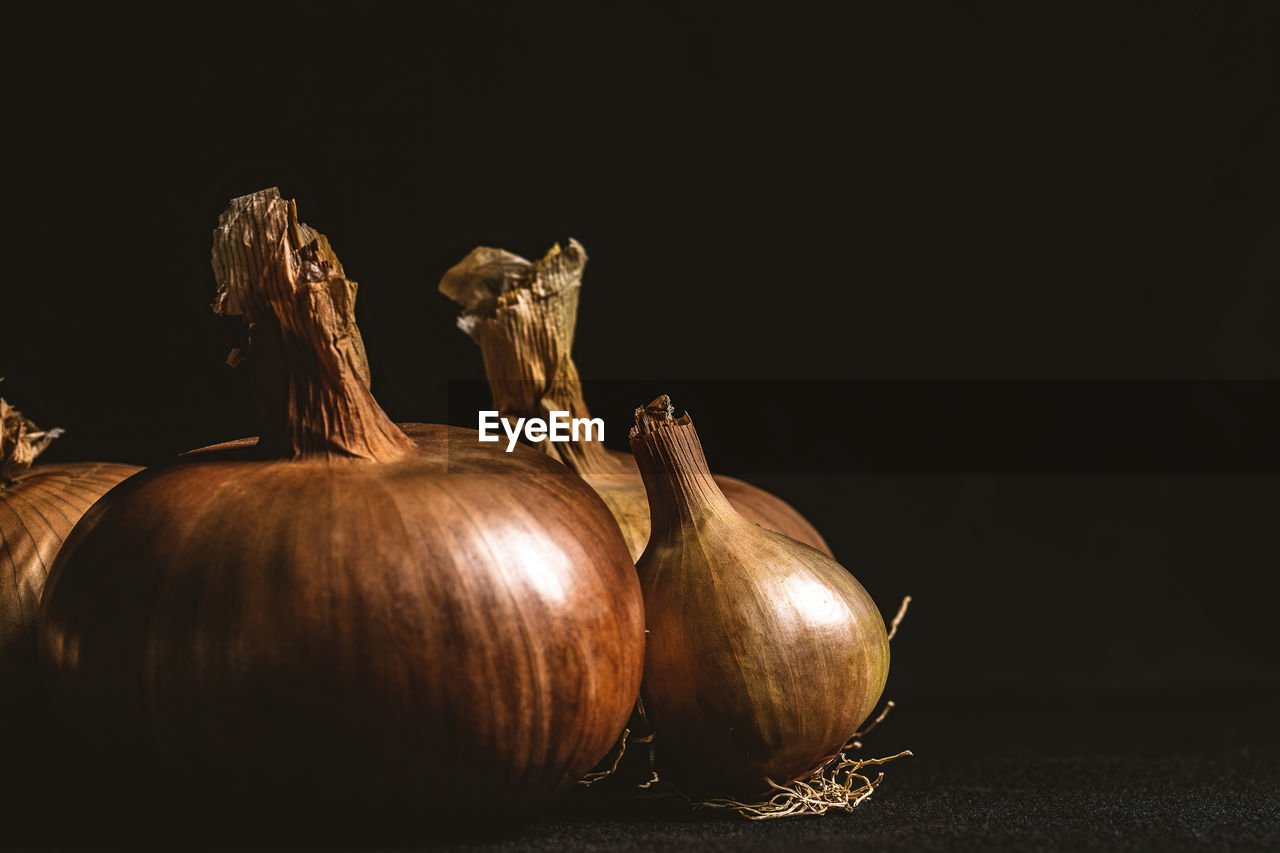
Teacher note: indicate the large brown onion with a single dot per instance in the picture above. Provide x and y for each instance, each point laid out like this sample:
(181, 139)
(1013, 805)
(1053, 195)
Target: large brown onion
(763, 654)
(344, 610)
(38, 507)
(523, 316)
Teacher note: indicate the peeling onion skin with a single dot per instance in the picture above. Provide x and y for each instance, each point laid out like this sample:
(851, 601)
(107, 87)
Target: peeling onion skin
(38, 509)
(763, 654)
(345, 616)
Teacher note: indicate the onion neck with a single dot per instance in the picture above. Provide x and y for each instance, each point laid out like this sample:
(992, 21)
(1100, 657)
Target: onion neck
(679, 484)
(305, 351)
(523, 316)
(21, 441)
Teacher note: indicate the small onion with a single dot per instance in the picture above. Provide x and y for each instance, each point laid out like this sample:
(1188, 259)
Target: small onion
(38, 507)
(763, 654)
(344, 610)
(523, 317)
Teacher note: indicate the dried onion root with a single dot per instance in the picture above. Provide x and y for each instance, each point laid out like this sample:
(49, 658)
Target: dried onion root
(839, 784)
(599, 775)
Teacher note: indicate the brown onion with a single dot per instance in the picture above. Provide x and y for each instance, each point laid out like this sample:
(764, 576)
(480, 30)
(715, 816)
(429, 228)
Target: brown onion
(345, 609)
(764, 655)
(523, 316)
(38, 507)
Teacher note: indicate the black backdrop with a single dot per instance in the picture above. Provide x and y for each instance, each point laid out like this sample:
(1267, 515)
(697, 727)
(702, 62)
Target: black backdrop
(1006, 193)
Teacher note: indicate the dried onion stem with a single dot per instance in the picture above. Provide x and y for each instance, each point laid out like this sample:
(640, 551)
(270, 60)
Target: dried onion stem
(21, 441)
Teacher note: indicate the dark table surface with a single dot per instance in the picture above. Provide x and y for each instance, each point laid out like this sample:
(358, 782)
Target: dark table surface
(1142, 771)
(1176, 771)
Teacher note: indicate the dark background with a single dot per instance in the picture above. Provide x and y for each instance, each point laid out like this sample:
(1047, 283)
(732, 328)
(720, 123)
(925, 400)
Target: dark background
(1004, 193)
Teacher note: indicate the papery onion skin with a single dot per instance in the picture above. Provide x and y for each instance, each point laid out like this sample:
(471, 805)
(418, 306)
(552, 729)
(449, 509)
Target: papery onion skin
(764, 655)
(523, 316)
(344, 612)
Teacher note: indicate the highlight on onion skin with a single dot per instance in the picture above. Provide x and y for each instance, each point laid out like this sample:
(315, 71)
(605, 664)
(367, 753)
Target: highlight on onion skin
(38, 507)
(523, 316)
(763, 654)
(344, 611)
